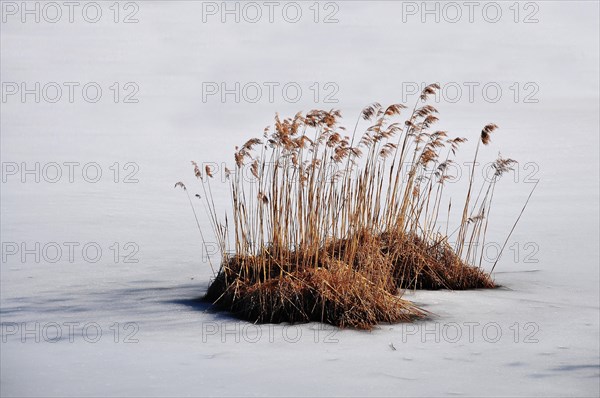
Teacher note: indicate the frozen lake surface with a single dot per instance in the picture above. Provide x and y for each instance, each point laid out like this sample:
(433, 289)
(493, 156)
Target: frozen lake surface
(122, 256)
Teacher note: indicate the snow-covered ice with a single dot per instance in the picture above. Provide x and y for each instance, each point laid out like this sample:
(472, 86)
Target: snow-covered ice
(537, 335)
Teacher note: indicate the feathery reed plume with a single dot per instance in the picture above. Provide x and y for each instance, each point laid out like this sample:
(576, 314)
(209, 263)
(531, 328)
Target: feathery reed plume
(486, 132)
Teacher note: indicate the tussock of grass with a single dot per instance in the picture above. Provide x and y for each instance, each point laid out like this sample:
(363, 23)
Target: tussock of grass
(359, 295)
(418, 264)
(336, 295)
(332, 227)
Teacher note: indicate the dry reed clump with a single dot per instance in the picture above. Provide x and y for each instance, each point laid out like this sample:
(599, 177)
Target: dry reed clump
(337, 295)
(419, 264)
(329, 227)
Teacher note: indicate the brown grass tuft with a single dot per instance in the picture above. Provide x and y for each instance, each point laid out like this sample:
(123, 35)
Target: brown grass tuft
(332, 228)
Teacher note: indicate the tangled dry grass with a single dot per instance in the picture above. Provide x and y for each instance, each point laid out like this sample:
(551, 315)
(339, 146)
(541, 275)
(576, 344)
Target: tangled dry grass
(333, 227)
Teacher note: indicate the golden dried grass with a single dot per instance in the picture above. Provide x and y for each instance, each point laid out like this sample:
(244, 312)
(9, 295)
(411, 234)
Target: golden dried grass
(332, 227)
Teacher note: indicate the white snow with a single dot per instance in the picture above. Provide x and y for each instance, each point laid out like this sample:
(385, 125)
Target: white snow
(547, 310)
